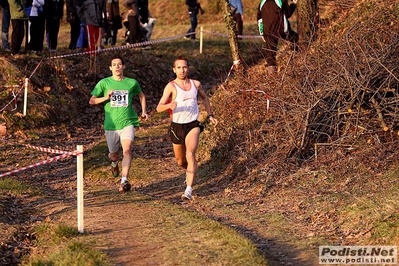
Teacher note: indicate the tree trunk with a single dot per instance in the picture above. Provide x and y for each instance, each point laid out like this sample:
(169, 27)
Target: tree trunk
(232, 30)
(308, 20)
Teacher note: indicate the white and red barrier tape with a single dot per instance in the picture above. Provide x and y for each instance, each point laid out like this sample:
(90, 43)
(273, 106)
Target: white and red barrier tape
(238, 36)
(267, 98)
(52, 150)
(13, 99)
(64, 154)
(135, 45)
(34, 165)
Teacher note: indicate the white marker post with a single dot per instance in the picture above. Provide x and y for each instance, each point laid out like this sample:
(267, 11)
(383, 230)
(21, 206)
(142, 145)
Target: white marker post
(201, 40)
(26, 95)
(79, 159)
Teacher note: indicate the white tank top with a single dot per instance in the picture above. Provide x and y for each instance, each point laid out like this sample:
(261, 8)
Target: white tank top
(186, 110)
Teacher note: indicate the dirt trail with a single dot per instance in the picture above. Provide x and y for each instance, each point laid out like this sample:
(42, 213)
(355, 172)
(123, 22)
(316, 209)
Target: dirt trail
(122, 224)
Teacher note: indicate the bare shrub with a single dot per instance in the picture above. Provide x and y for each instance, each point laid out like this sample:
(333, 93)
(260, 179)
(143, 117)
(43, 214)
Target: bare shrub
(340, 93)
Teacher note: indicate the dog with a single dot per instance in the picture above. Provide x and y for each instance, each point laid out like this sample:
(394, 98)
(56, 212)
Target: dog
(148, 27)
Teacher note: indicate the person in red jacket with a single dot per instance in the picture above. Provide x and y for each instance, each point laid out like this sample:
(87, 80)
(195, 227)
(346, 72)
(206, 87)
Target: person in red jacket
(274, 25)
(92, 13)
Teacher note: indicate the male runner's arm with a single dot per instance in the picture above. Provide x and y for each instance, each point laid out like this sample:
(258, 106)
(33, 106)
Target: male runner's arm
(143, 103)
(206, 102)
(163, 104)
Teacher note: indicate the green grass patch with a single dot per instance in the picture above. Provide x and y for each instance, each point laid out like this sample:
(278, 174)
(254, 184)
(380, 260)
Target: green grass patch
(75, 253)
(16, 187)
(64, 246)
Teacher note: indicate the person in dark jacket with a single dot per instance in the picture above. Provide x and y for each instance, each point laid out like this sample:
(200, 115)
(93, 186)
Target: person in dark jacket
(274, 14)
(19, 20)
(92, 13)
(74, 23)
(53, 12)
(193, 9)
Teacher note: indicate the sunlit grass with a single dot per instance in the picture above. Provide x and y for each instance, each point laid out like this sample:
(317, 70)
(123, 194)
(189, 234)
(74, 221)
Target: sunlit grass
(65, 246)
(16, 187)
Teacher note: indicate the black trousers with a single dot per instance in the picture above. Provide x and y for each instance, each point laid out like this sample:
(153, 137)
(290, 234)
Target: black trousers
(238, 19)
(135, 34)
(17, 36)
(52, 30)
(74, 34)
(36, 33)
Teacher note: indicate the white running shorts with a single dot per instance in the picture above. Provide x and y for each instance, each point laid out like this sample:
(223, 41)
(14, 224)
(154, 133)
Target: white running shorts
(114, 137)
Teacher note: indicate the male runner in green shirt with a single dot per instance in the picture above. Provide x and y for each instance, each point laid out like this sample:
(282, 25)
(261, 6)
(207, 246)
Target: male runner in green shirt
(117, 92)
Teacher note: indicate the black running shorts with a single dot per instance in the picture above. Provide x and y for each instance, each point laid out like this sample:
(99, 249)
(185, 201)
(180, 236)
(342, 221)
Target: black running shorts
(178, 132)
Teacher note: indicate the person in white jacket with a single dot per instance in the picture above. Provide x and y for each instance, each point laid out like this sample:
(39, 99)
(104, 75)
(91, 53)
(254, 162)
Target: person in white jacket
(37, 26)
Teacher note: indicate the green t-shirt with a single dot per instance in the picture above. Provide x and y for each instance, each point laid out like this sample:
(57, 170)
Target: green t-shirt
(119, 112)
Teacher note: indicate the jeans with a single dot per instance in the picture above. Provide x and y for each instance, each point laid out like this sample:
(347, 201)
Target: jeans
(194, 23)
(5, 25)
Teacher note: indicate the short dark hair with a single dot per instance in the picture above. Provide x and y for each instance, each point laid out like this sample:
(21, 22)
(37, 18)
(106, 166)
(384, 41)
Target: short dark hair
(117, 57)
(180, 58)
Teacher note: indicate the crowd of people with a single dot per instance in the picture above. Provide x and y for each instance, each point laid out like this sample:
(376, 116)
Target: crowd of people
(93, 23)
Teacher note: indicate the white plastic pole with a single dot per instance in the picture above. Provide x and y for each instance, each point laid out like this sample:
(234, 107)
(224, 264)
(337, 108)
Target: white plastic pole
(201, 40)
(79, 159)
(26, 95)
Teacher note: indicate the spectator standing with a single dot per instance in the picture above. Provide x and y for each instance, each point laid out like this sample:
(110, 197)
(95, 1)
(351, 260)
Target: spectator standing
(53, 11)
(193, 8)
(19, 19)
(274, 25)
(133, 22)
(114, 23)
(74, 23)
(92, 14)
(5, 25)
(238, 14)
(37, 26)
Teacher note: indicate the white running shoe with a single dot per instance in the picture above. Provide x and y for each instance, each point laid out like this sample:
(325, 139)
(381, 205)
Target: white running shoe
(186, 196)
